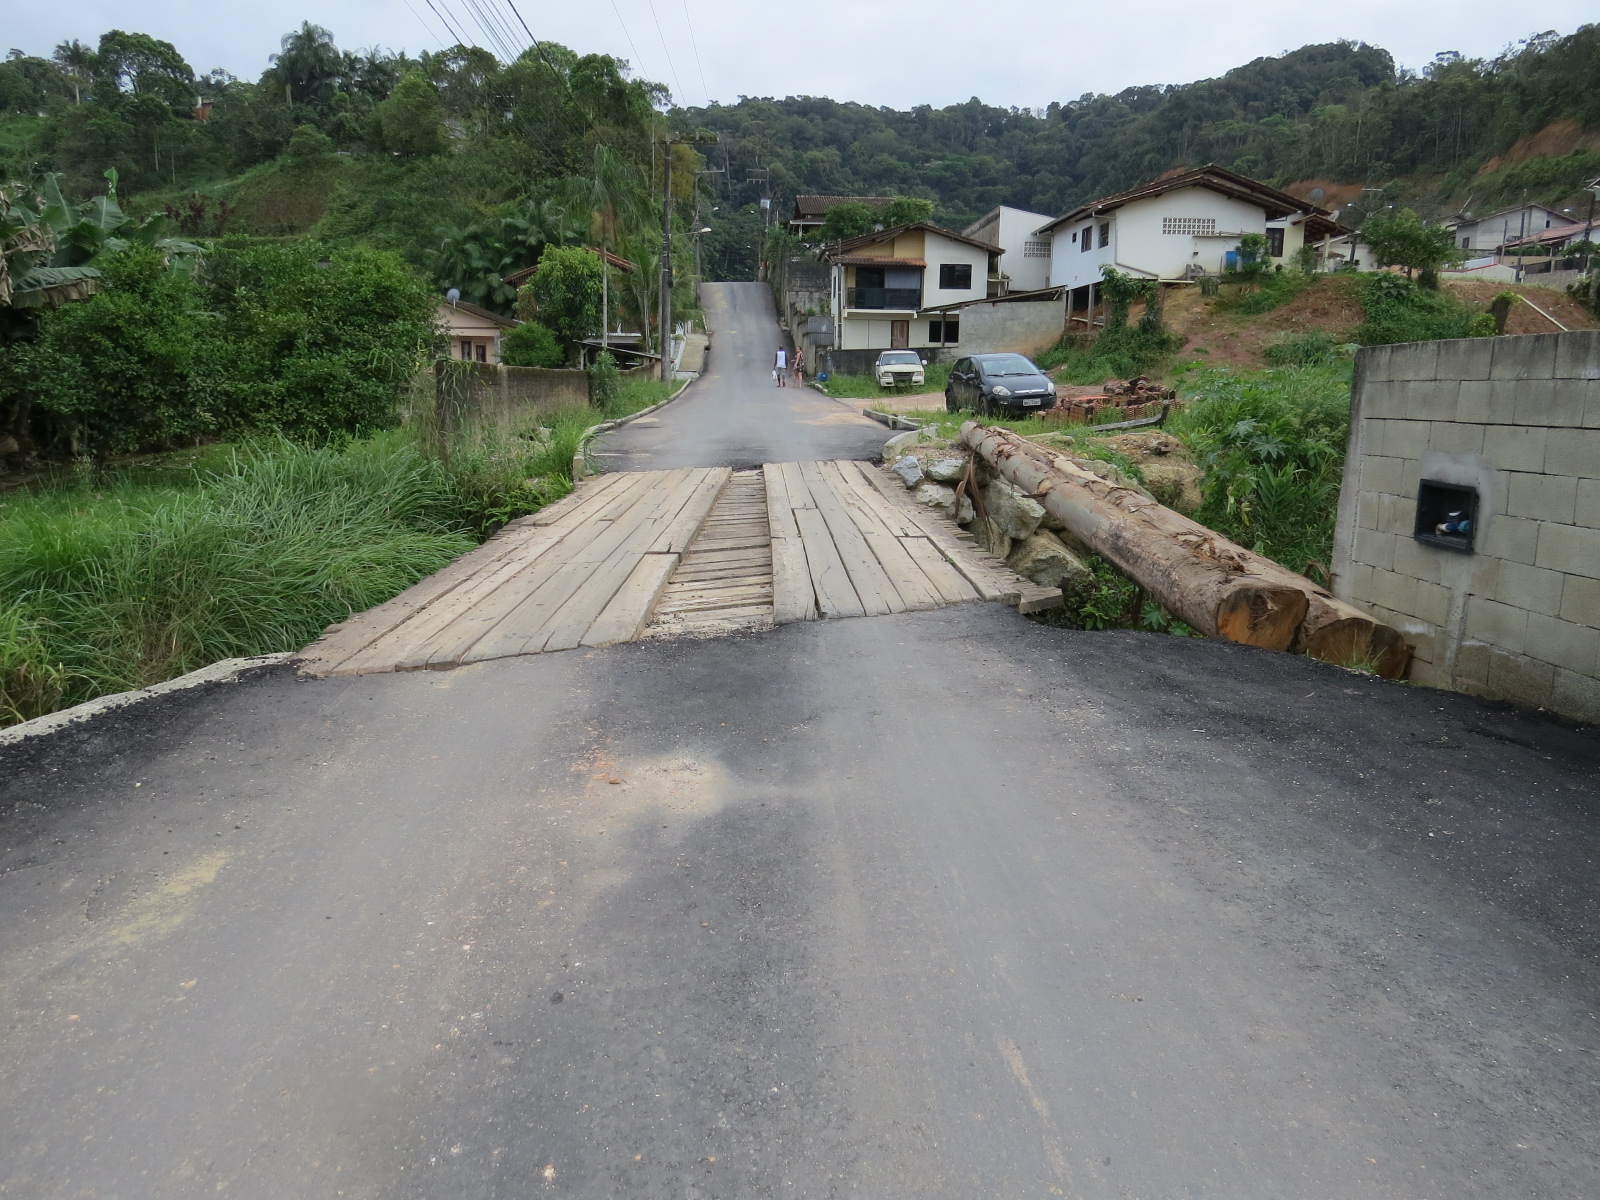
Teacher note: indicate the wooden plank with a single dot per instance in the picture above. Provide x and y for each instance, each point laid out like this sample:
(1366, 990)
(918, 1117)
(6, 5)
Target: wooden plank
(917, 593)
(836, 595)
(658, 505)
(679, 535)
(872, 584)
(740, 543)
(584, 493)
(728, 598)
(947, 539)
(950, 583)
(793, 596)
(1035, 598)
(797, 488)
(624, 619)
(893, 517)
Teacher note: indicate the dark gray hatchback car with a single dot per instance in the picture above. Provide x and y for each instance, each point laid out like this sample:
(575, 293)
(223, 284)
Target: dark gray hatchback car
(991, 384)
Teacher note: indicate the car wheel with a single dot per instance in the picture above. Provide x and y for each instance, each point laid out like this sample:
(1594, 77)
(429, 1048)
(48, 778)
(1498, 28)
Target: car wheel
(950, 404)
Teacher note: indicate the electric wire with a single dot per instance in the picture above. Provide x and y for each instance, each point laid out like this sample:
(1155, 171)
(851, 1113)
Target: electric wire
(431, 32)
(638, 59)
(491, 34)
(695, 42)
(671, 66)
(445, 21)
(537, 44)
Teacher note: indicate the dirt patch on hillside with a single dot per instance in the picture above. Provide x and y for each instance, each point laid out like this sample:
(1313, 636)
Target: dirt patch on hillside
(1522, 319)
(1553, 141)
(1232, 339)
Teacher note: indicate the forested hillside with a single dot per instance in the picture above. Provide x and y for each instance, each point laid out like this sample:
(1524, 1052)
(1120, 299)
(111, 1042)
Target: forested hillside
(1340, 112)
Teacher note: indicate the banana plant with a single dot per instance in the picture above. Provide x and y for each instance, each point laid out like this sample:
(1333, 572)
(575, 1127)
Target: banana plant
(49, 247)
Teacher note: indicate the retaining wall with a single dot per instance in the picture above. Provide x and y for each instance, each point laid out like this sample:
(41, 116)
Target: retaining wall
(1515, 421)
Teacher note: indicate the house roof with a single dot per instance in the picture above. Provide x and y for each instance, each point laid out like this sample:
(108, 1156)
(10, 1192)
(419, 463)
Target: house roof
(814, 208)
(1462, 219)
(849, 246)
(518, 278)
(996, 211)
(484, 313)
(877, 260)
(1212, 178)
(1556, 233)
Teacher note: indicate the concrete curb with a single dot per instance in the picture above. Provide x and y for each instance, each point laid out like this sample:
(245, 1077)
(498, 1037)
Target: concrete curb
(229, 670)
(581, 467)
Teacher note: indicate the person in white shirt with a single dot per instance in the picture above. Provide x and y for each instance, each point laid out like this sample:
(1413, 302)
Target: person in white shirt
(780, 367)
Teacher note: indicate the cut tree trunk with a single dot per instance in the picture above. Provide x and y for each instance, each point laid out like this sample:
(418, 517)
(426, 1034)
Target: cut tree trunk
(1214, 585)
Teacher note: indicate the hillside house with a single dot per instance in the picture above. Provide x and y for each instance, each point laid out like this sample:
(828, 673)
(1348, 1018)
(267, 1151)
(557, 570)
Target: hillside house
(811, 211)
(1027, 263)
(1490, 233)
(474, 332)
(1178, 228)
(881, 286)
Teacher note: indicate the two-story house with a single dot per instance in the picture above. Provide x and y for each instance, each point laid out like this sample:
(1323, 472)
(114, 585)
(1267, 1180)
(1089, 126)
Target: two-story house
(1178, 228)
(883, 283)
(1027, 264)
(1489, 233)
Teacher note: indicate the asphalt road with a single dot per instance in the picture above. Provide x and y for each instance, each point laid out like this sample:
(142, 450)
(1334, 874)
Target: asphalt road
(943, 904)
(735, 415)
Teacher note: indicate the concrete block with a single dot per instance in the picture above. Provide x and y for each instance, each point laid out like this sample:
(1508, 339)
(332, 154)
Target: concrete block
(1573, 452)
(1374, 364)
(1497, 624)
(1424, 674)
(1578, 355)
(1356, 584)
(1473, 401)
(1405, 439)
(1395, 592)
(1575, 647)
(1576, 696)
(1533, 588)
(1465, 358)
(1526, 356)
(1471, 664)
(1591, 405)
(1374, 549)
(1433, 603)
(1569, 548)
(1514, 539)
(1517, 677)
(1431, 399)
(1452, 437)
(1417, 560)
(1368, 505)
(1541, 497)
(1424, 643)
(1485, 575)
(1414, 360)
(1580, 601)
(1410, 475)
(1515, 447)
(1549, 402)
(1380, 473)
(1396, 515)
(1587, 510)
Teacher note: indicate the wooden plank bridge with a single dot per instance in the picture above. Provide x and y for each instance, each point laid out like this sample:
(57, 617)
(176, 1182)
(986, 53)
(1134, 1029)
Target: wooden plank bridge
(695, 551)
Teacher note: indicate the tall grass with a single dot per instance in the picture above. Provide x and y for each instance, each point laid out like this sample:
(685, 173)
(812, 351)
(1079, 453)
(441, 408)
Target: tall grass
(1272, 444)
(116, 582)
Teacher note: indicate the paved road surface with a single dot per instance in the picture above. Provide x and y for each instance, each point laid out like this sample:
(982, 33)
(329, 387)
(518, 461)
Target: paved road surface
(735, 416)
(943, 904)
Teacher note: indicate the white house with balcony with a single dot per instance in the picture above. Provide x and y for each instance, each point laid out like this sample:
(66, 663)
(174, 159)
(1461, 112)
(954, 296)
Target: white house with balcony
(883, 284)
(1027, 263)
(1177, 228)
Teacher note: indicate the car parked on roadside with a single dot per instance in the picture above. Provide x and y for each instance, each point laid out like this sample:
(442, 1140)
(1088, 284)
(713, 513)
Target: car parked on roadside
(896, 367)
(992, 384)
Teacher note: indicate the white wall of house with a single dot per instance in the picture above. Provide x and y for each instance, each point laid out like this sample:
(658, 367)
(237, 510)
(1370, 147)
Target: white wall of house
(1027, 255)
(1158, 237)
(472, 338)
(1495, 230)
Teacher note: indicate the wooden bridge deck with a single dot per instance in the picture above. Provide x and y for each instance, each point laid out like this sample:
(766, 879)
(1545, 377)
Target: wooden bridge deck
(695, 550)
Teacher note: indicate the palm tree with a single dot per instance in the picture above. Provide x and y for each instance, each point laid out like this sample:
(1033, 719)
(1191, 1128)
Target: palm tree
(309, 62)
(614, 201)
(75, 60)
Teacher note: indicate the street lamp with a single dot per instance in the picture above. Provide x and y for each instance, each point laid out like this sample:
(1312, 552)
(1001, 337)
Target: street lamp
(697, 271)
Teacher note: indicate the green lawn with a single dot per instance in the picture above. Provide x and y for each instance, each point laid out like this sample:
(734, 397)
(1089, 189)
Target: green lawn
(865, 387)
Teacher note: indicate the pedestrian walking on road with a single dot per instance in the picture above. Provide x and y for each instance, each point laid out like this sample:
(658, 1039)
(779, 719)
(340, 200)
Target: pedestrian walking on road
(799, 367)
(780, 367)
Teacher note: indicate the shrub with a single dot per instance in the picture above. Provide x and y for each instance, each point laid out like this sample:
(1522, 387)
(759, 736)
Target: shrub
(605, 381)
(1398, 310)
(1316, 348)
(564, 293)
(531, 345)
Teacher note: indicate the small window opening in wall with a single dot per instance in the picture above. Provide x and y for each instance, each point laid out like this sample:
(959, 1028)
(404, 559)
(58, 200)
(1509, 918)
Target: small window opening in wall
(1447, 515)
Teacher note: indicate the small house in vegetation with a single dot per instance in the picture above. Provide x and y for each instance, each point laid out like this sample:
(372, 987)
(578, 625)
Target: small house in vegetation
(474, 332)
(1494, 231)
(1178, 228)
(883, 285)
(1014, 230)
(811, 211)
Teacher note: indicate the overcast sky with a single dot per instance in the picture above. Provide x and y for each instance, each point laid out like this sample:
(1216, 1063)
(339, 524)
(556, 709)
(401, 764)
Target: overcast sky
(887, 52)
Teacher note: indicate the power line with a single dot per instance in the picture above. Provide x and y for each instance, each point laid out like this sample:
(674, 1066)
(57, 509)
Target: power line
(485, 24)
(695, 42)
(428, 28)
(638, 59)
(445, 21)
(671, 66)
(537, 44)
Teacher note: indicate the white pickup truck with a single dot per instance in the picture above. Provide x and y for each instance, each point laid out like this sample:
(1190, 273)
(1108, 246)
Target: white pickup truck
(896, 367)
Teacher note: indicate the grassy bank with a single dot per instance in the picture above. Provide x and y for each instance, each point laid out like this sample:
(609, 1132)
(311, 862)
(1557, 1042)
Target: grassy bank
(112, 582)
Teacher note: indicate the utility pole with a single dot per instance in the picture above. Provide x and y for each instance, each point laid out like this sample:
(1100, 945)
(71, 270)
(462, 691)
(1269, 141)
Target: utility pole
(664, 315)
(1593, 188)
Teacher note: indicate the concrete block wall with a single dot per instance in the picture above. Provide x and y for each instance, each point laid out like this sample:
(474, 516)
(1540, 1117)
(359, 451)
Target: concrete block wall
(1517, 418)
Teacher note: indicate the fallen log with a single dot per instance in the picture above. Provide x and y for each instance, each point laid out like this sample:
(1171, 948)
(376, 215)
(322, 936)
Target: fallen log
(1219, 588)
(1205, 580)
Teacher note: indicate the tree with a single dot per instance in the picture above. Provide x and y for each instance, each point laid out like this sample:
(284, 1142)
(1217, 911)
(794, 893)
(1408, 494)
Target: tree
(1400, 239)
(140, 65)
(907, 210)
(309, 142)
(531, 345)
(848, 220)
(564, 293)
(76, 61)
(307, 66)
(612, 199)
(411, 120)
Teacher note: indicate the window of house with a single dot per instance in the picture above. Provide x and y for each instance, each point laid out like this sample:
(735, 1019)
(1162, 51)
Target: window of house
(1466, 243)
(1191, 226)
(1035, 249)
(955, 276)
(1087, 240)
(1274, 243)
(944, 332)
(1105, 233)
(481, 351)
